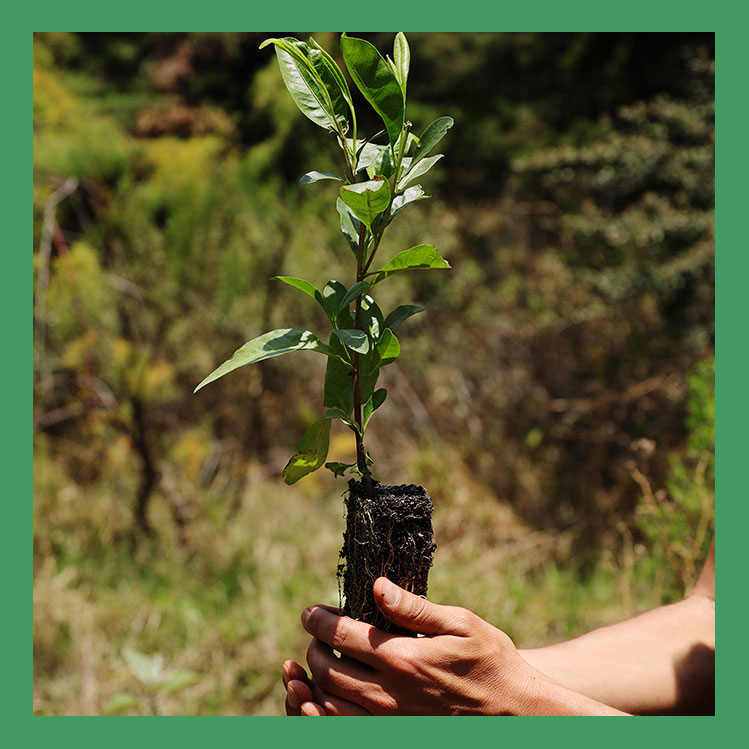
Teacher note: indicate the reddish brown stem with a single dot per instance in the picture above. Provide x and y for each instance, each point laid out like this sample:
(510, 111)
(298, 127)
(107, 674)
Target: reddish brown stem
(361, 453)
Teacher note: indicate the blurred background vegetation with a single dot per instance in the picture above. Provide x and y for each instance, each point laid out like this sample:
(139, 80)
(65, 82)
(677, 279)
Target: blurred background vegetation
(556, 399)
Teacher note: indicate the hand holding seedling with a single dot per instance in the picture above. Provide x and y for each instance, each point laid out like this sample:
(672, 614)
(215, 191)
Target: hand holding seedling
(388, 528)
(659, 662)
(464, 666)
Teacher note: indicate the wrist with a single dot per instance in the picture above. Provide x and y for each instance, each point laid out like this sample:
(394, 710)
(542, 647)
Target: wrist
(541, 695)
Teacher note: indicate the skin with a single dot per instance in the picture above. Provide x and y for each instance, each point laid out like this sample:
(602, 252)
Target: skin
(663, 662)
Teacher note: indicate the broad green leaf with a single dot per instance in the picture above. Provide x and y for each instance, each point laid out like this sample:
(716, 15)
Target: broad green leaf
(418, 170)
(333, 293)
(339, 389)
(401, 314)
(355, 291)
(371, 318)
(369, 371)
(367, 199)
(310, 177)
(374, 402)
(313, 450)
(385, 352)
(388, 349)
(179, 680)
(400, 202)
(367, 152)
(302, 285)
(394, 69)
(349, 226)
(423, 256)
(304, 82)
(410, 140)
(356, 340)
(339, 469)
(334, 71)
(383, 164)
(377, 82)
(145, 668)
(431, 137)
(336, 413)
(266, 346)
(402, 59)
(119, 703)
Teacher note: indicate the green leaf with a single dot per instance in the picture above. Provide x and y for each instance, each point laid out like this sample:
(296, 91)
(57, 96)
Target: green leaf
(339, 388)
(333, 293)
(336, 413)
(431, 137)
(383, 164)
(367, 199)
(367, 152)
(313, 450)
(349, 226)
(377, 82)
(310, 177)
(388, 349)
(371, 318)
(336, 75)
(418, 170)
(266, 346)
(302, 285)
(423, 256)
(356, 340)
(401, 314)
(402, 59)
(359, 288)
(369, 371)
(338, 469)
(145, 668)
(304, 83)
(119, 703)
(374, 402)
(179, 680)
(385, 352)
(410, 140)
(400, 202)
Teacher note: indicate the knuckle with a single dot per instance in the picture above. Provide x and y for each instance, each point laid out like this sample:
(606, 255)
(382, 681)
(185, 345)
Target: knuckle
(405, 661)
(318, 666)
(464, 618)
(315, 619)
(416, 608)
(339, 636)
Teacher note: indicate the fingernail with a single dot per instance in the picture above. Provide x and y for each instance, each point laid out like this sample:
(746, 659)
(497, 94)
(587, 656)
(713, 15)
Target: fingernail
(293, 697)
(305, 616)
(391, 593)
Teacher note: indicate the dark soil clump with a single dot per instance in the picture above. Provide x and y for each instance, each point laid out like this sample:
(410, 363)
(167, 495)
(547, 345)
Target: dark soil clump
(389, 535)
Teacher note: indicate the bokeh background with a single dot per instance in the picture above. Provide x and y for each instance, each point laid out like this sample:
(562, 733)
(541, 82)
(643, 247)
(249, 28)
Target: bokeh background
(556, 399)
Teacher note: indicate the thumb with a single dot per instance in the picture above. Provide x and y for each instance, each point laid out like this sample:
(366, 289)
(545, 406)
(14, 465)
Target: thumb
(415, 613)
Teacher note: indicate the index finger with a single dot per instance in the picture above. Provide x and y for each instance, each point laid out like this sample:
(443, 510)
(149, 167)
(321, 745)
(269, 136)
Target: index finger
(358, 640)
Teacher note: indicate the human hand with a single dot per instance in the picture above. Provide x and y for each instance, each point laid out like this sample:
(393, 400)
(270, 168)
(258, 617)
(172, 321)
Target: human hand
(299, 697)
(462, 666)
(304, 697)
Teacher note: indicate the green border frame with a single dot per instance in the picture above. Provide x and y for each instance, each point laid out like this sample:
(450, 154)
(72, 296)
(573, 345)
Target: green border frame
(725, 18)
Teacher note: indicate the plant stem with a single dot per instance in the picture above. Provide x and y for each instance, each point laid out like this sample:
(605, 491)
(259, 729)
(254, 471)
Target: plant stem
(361, 454)
(402, 140)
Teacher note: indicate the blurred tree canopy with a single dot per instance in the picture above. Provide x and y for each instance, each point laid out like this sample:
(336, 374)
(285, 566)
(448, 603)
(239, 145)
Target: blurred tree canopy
(575, 205)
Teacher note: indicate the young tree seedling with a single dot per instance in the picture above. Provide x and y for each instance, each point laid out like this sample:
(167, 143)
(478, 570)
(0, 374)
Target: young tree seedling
(378, 182)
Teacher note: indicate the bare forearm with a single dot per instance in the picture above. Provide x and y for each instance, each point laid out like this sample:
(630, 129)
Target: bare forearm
(543, 696)
(659, 662)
